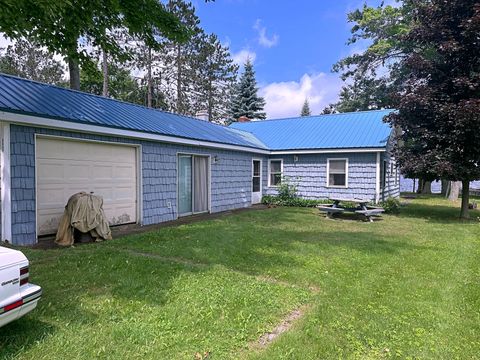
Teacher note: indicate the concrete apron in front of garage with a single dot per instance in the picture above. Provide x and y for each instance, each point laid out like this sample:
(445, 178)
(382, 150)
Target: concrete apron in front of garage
(119, 231)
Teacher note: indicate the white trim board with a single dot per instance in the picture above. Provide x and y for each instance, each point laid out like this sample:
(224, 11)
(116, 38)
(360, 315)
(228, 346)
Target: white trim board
(377, 179)
(6, 183)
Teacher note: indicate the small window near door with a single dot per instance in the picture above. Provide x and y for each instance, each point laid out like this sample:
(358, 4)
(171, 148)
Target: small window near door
(275, 172)
(337, 172)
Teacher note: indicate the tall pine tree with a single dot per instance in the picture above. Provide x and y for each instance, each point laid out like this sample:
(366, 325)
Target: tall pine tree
(217, 73)
(246, 101)
(306, 109)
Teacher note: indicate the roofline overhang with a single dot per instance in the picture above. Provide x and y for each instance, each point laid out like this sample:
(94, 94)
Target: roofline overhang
(32, 120)
(329, 151)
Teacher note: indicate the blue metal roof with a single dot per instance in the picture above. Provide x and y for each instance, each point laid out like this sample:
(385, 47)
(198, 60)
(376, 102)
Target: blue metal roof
(364, 129)
(33, 98)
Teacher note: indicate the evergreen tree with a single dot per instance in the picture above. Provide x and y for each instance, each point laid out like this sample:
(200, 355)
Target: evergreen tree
(217, 73)
(246, 101)
(27, 60)
(306, 109)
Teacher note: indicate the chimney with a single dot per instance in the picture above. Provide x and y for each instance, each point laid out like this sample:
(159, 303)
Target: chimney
(243, 119)
(202, 115)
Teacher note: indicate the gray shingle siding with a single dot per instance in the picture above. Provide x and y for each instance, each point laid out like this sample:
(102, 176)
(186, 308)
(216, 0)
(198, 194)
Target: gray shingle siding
(310, 175)
(230, 183)
(392, 180)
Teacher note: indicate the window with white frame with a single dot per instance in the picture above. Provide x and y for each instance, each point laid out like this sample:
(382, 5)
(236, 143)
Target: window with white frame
(337, 173)
(275, 172)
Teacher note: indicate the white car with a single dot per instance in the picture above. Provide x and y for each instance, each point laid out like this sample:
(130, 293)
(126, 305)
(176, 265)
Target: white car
(17, 295)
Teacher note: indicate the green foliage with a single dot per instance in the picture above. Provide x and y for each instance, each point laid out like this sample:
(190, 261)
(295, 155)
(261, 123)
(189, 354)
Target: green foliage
(295, 201)
(245, 99)
(59, 25)
(305, 109)
(439, 101)
(391, 205)
(27, 60)
(375, 72)
(122, 86)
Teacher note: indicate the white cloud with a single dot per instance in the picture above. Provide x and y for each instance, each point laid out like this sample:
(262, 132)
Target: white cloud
(285, 99)
(241, 57)
(263, 39)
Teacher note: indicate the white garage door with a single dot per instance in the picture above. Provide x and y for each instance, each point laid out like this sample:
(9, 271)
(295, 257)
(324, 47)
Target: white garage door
(65, 167)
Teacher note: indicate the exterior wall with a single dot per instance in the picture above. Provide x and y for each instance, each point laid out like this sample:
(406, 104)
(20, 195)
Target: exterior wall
(230, 178)
(392, 180)
(310, 175)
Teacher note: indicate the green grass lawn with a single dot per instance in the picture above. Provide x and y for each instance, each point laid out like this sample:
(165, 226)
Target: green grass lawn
(407, 286)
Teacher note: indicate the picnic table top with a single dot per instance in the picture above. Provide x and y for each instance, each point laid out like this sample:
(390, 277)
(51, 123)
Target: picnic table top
(353, 200)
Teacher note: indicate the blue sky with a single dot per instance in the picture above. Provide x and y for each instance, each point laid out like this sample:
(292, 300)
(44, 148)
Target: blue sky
(293, 43)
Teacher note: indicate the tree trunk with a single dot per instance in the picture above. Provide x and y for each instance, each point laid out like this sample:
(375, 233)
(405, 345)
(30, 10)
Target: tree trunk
(426, 187)
(210, 103)
(179, 81)
(149, 78)
(454, 190)
(420, 186)
(74, 70)
(445, 186)
(105, 73)
(413, 190)
(465, 199)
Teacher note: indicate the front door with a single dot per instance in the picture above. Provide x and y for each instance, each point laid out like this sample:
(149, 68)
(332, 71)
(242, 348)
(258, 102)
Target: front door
(256, 181)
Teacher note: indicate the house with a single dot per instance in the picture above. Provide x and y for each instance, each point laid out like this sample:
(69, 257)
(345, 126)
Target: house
(152, 166)
(344, 155)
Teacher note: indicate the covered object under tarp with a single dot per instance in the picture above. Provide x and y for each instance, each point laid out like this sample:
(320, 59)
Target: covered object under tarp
(83, 212)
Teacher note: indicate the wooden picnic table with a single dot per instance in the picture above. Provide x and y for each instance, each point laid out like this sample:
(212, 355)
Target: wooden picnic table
(361, 208)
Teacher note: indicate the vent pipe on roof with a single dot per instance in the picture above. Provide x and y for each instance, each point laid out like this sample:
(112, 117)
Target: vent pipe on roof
(243, 119)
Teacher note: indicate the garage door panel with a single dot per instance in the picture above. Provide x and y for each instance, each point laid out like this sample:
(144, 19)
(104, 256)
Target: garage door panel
(66, 167)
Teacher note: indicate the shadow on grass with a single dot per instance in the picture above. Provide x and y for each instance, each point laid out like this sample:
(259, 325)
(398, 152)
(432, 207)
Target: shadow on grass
(22, 334)
(437, 213)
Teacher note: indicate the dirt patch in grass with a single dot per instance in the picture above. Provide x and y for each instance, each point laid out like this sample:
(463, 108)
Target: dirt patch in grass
(286, 324)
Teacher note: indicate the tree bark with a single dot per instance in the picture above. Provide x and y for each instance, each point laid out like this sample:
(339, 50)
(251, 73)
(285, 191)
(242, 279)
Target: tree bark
(74, 71)
(149, 78)
(464, 214)
(454, 190)
(420, 186)
(179, 81)
(105, 73)
(445, 186)
(427, 187)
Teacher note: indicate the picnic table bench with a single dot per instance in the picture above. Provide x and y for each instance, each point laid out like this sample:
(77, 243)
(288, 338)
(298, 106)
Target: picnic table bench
(361, 208)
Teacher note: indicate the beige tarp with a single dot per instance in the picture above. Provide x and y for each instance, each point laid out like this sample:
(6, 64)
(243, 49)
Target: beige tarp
(83, 212)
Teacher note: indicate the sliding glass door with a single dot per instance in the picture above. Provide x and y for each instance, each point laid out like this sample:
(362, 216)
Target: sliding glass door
(193, 184)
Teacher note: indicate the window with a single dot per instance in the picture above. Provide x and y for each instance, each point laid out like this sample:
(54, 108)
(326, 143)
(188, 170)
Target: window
(337, 172)
(383, 175)
(275, 172)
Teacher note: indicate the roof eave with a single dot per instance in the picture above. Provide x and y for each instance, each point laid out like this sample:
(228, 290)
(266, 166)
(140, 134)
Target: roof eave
(23, 118)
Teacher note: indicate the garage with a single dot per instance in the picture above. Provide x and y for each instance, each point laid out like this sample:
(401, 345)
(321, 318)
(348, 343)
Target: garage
(65, 167)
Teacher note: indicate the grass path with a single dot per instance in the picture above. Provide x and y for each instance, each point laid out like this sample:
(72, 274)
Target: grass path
(403, 287)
